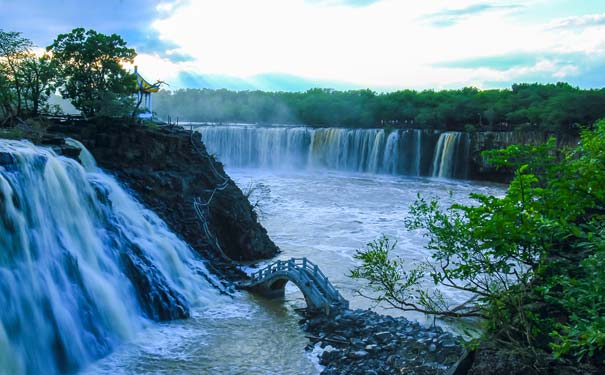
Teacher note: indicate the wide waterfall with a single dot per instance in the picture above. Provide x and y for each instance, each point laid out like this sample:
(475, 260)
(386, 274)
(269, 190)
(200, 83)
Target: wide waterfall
(411, 152)
(451, 155)
(83, 266)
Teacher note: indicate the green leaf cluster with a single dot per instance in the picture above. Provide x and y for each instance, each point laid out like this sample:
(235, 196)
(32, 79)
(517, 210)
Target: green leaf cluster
(92, 71)
(26, 80)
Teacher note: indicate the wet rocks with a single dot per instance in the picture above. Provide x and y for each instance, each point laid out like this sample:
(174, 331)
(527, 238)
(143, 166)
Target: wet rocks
(480, 169)
(363, 342)
(358, 354)
(6, 159)
(383, 336)
(159, 301)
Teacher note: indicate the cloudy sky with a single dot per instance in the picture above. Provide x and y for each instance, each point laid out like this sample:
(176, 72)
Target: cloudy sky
(377, 44)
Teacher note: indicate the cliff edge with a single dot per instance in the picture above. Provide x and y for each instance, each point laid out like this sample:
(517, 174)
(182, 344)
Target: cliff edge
(170, 171)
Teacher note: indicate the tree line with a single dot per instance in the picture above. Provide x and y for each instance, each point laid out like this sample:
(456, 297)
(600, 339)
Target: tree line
(553, 107)
(84, 66)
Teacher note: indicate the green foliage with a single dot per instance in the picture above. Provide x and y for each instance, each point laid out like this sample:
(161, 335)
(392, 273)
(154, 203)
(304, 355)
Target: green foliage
(556, 108)
(91, 65)
(390, 281)
(6, 96)
(533, 260)
(39, 76)
(470, 128)
(26, 81)
(85, 65)
(583, 335)
(14, 48)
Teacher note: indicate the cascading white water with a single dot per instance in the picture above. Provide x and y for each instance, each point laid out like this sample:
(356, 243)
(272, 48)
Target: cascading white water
(410, 152)
(418, 144)
(391, 154)
(398, 152)
(83, 265)
(451, 155)
(443, 154)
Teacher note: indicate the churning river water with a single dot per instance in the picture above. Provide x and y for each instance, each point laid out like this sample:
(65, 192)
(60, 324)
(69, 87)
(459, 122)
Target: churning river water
(319, 214)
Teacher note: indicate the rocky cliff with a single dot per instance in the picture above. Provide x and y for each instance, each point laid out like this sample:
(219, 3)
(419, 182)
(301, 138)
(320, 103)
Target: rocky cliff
(170, 171)
(482, 141)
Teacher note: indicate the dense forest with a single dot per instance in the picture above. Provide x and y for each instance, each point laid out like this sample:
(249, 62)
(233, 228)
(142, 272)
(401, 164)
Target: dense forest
(553, 107)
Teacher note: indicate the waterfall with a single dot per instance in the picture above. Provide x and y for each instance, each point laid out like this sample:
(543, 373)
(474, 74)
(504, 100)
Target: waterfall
(417, 149)
(451, 154)
(408, 152)
(357, 150)
(391, 154)
(83, 266)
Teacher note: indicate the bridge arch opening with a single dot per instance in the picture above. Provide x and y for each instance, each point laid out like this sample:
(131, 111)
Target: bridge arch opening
(280, 289)
(277, 289)
(318, 292)
(278, 284)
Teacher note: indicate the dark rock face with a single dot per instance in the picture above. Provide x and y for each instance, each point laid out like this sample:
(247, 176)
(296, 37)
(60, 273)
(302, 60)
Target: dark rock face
(169, 168)
(6, 159)
(363, 342)
(158, 300)
(482, 141)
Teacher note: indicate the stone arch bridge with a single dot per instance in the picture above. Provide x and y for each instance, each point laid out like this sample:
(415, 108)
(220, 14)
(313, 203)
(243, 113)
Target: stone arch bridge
(319, 293)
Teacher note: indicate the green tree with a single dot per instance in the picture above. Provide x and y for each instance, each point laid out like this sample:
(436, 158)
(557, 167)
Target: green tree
(39, 78)
(14, 48)
(5, 96)
(91, 64)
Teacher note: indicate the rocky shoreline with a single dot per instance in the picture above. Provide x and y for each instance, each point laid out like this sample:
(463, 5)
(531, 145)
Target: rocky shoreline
(364, 342)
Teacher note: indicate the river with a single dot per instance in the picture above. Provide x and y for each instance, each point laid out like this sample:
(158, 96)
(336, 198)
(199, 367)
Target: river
(321, 215)
(66, 230)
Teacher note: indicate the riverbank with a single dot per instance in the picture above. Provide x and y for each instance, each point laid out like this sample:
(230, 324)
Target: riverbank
(362, 342)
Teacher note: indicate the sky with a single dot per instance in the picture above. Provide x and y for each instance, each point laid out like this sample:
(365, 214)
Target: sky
(294, 45)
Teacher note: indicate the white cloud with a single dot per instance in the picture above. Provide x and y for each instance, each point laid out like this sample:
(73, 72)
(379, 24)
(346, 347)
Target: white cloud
(586, 20)
(154, 67)
(384, 44)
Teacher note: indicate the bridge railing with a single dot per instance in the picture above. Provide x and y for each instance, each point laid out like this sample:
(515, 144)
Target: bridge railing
(298, 264)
